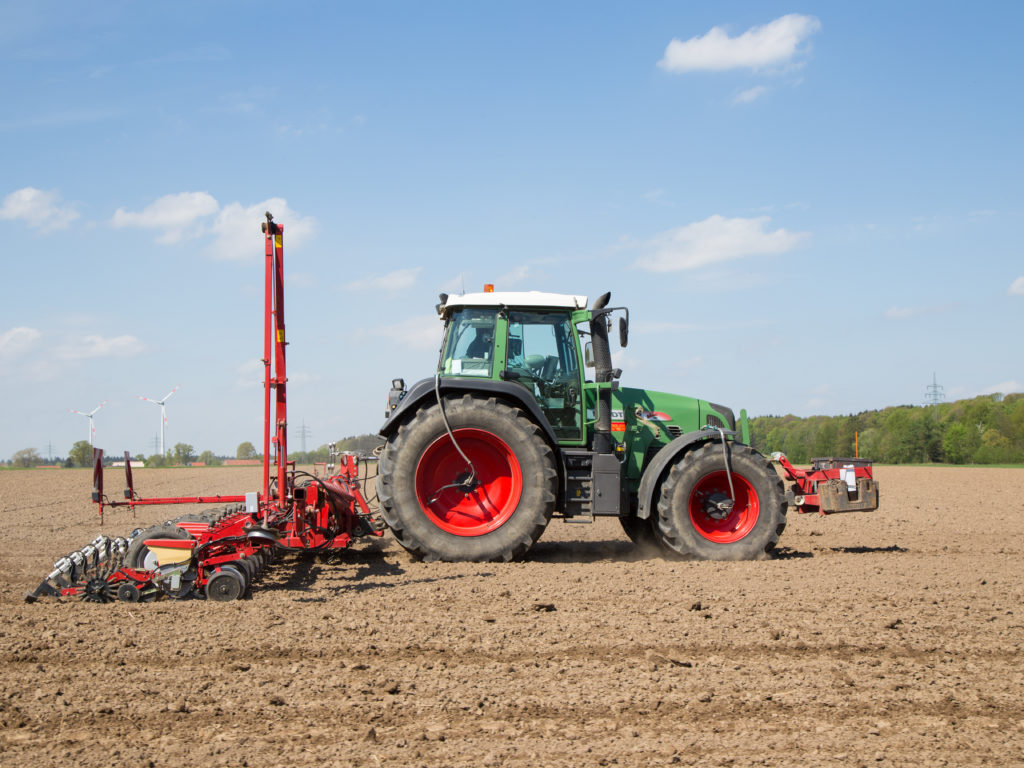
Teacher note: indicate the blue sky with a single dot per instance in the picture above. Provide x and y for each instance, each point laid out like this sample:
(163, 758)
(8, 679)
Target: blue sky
(808, 209)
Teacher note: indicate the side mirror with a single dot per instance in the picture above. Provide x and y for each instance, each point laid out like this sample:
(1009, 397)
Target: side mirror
(588, 355)
(623, 331)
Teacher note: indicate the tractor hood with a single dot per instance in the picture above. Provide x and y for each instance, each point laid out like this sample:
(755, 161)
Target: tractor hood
(675, 413)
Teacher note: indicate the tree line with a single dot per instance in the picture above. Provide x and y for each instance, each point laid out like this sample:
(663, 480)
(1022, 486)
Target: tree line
(983, 430)
(184, 454)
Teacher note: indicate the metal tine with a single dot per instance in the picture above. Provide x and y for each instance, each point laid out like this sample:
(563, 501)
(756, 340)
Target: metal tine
(102, 544)
(61, 570)
(77, 565)
(90, 558)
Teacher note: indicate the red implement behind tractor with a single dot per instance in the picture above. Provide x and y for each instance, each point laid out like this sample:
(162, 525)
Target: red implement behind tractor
(220, 552)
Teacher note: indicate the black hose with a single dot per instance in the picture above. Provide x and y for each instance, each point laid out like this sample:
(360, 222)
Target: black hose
(468, 482)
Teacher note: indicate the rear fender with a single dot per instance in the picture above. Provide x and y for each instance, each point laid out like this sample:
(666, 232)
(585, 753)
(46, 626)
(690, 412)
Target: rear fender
(664, 459)
(423, 391)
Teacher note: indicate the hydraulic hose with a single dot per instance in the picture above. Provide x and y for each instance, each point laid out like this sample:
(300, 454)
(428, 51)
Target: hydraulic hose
(468, 482)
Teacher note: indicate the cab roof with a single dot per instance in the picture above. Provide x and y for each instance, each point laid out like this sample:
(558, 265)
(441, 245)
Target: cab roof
(516, 299)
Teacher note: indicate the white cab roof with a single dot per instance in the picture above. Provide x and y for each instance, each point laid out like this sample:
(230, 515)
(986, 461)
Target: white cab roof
(517, 299)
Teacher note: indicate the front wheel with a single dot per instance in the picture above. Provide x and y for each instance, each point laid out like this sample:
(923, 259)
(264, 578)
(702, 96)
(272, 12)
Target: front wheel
(493, 507)
(701, 516)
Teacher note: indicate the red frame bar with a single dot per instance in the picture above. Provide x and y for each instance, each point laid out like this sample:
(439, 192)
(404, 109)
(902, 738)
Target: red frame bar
(274, 366)
(178, 500)
(268, 335)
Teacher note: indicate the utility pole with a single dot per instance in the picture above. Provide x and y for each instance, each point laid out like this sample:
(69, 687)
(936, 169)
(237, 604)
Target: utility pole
(934, 393)
(304, 432)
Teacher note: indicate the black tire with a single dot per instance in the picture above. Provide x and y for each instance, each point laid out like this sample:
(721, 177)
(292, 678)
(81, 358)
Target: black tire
(497, 520)
(691, 525)
(250, 567)
(243, 574)
(225, 585)
(643, 533)
(138, 553)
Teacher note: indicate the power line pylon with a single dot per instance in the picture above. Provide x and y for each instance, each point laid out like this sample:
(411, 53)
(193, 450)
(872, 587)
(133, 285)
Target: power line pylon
(934, 392)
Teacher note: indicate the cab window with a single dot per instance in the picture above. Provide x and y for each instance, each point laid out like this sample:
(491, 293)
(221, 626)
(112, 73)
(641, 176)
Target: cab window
(469, 349)
(542, 357)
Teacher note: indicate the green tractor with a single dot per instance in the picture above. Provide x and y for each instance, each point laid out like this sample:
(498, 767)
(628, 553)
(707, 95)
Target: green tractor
(524, 420)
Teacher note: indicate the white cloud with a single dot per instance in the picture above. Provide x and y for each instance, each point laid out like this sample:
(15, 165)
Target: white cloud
(772, 44)
(714, 240)
(1003, 388)
(899, 313)
(814, 404)
(455, 286)
(236, 226)
(40, 210)
(392, 282)
(516, 277)
(749, 95)
(657, 197)
(982, 215)
(626, 361)
(419, 332)
(233, 229)
(250, 374)
(171, 213)
(16, 341)
(1017, 287)
(97, 346)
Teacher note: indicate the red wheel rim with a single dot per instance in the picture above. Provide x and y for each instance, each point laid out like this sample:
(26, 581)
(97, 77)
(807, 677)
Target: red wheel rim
(495, 495)
(734, 525)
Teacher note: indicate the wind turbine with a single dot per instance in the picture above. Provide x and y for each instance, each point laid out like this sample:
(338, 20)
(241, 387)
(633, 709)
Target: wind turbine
(163, 413)
(92, 429)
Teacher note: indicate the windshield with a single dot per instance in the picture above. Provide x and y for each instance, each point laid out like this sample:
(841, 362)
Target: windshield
(469, 349)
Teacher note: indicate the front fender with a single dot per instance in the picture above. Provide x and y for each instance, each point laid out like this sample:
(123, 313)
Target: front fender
(663, 459)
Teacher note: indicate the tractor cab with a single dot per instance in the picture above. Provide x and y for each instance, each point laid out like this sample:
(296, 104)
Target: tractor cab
(526, 338)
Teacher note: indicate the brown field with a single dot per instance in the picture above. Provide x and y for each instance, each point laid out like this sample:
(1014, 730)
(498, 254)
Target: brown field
(892, 637)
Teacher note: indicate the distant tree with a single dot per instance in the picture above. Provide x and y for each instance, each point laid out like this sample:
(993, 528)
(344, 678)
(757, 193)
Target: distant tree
(363, 444)
(81, 454)
(246, 450)
(994, 449)
(959, 443)
(156, 460)
(209, 458)
(184, 453)
(26, 457)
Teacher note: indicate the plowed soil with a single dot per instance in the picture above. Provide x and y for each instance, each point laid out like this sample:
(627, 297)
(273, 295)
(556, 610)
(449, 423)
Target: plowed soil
(892, 637)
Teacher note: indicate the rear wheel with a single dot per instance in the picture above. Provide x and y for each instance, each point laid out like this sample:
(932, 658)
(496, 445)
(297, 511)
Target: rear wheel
(696, 518)
(439, 507)
(138, 555)
(643, 533)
